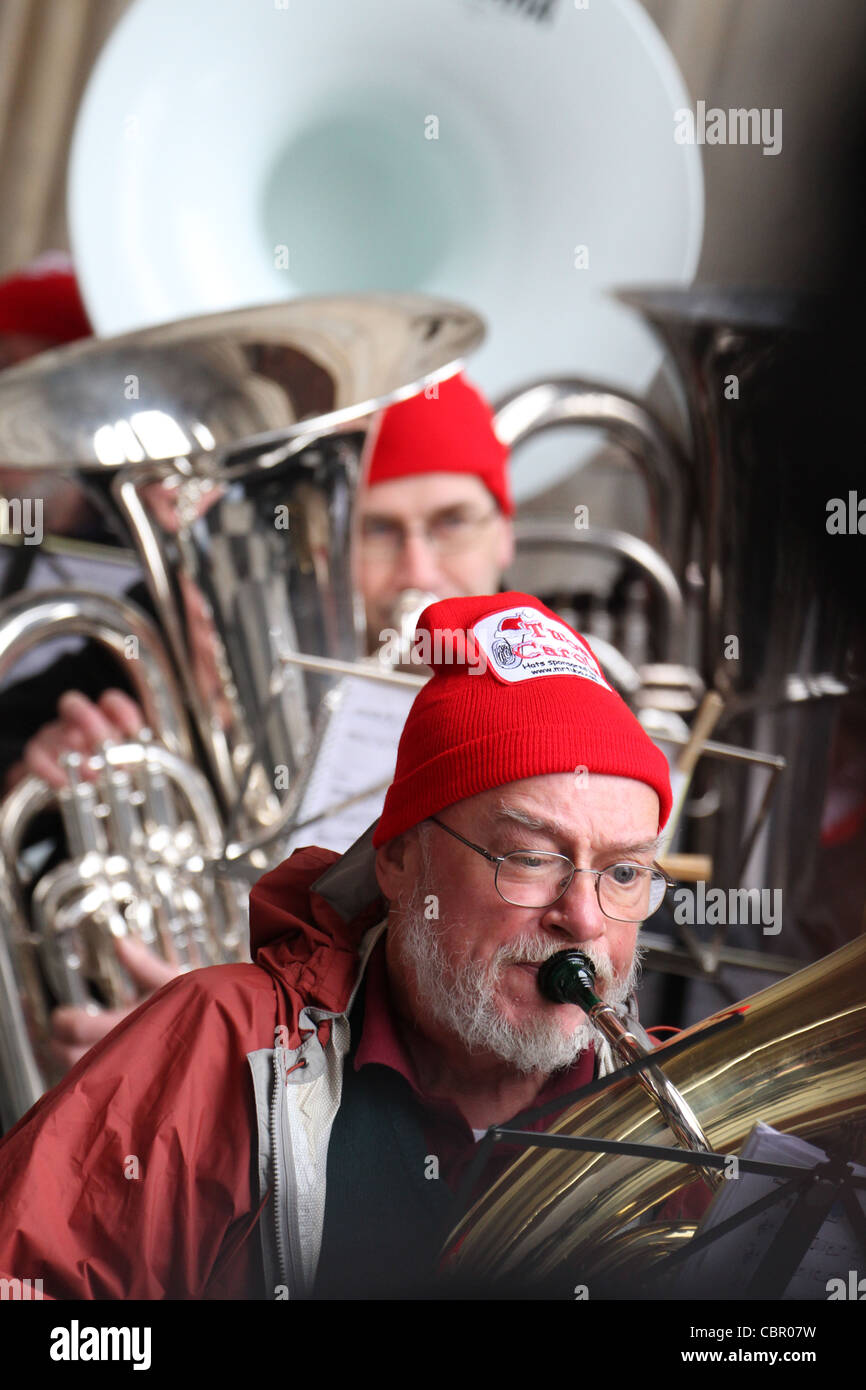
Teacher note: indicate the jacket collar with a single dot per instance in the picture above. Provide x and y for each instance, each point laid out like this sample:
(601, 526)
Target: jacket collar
(307, 919)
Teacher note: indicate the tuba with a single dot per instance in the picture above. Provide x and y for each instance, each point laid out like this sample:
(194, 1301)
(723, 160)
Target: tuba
(796, 1059)
(257, 421)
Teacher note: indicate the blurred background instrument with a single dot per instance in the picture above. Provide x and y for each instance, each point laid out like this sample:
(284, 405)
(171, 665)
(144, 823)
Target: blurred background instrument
(454, 159)
(260, 417)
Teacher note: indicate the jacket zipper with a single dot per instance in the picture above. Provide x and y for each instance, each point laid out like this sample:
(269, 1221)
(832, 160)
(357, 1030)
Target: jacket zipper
(278, 1194)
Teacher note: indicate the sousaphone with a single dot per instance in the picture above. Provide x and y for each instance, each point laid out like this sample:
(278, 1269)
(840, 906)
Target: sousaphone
(517, 155)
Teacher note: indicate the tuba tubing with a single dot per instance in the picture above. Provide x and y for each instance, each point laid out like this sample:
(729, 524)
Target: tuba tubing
(568, 401)
(26, 620)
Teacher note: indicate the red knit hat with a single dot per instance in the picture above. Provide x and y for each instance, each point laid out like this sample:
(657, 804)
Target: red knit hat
(515, 693)
(448, 432)
(43, 301)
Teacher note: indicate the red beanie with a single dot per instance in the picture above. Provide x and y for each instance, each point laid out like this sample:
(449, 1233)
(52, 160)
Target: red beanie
(515, 693)
(451, 432)
(43, 301)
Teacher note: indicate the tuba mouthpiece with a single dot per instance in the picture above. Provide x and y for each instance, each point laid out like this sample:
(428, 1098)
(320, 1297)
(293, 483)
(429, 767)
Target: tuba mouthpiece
(569, 978)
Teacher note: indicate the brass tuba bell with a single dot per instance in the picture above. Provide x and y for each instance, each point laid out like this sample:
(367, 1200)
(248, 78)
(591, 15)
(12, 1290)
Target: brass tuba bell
(796, 1061)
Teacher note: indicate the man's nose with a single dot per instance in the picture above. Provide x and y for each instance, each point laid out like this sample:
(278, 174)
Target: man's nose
(578, 912)
(417, 565)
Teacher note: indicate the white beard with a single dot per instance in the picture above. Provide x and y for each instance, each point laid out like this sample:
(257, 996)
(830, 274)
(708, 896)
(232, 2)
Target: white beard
(463, 997)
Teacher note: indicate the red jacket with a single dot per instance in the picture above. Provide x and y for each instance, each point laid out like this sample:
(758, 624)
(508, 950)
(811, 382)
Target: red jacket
(185, 1156)
(136, 1176)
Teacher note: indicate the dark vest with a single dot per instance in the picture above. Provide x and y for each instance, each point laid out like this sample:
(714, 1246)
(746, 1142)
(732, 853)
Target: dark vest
(384, 1220)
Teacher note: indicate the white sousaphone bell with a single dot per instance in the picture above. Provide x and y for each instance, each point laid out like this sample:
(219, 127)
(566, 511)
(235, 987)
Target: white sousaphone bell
(519, 157)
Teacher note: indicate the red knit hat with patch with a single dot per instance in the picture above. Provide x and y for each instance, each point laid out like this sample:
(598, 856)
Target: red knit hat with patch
(449, 431)
(515, 693)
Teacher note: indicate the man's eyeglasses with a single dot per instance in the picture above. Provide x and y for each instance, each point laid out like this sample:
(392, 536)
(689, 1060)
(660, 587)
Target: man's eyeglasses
(530, 878)
(446, 534)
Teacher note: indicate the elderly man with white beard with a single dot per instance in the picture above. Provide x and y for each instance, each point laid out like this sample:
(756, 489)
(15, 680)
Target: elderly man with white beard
(490, 1038)
(298, 1127)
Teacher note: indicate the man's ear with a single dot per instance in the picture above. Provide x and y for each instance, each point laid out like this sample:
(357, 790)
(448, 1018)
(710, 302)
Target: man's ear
(392, 869)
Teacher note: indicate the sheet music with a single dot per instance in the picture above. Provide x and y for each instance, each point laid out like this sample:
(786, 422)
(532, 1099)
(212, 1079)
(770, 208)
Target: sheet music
(358, 751)
(727, 1266)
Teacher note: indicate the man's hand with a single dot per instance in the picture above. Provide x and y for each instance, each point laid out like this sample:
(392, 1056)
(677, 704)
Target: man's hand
(74, 1031)
(81, 727)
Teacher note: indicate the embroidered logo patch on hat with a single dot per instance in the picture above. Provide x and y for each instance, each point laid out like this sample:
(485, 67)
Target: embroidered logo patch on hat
(522, 643)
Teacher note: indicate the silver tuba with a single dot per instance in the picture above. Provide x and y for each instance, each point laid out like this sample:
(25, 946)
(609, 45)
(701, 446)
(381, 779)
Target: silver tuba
(233, 459)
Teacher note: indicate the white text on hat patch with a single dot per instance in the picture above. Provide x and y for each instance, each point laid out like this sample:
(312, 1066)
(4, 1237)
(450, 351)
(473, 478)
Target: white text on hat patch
(522, 643)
